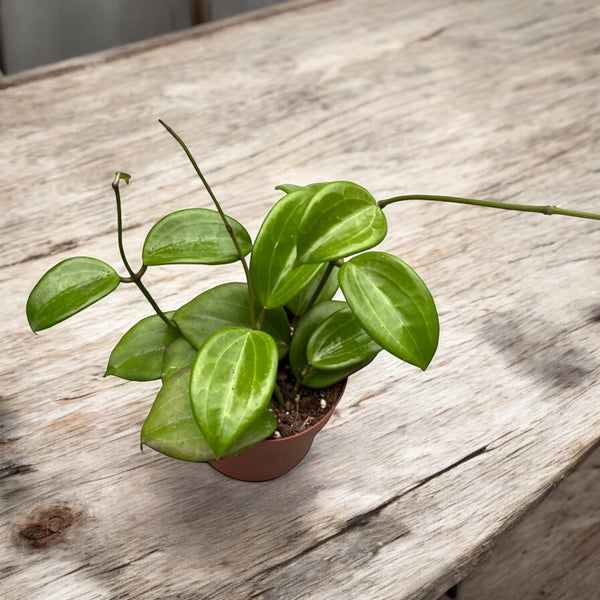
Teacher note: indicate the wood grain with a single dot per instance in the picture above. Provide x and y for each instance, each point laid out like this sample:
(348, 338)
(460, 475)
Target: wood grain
(418, 474)
(554, 553)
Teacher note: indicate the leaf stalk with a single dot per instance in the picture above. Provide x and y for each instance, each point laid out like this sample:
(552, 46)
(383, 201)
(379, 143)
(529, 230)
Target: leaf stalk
(300, 378)
(545, 210)
(321, 285)
(279, 395)
(133, 277)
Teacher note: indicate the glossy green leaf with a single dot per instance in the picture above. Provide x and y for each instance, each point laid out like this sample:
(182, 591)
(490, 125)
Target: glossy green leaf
(340, 343)
(341, 219)
(194, 236)
(178, 355)
(305, 328)
(299, 304)
(226, 305)
(275, 275)
(67, 288)
(170, 427)
(138, 356)
(319, 378)
(315, 378)
(260, 429)
(232, 380)
(393, 305)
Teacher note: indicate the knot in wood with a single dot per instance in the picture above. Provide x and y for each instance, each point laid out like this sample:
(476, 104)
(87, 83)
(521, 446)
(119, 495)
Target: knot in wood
(45, 525)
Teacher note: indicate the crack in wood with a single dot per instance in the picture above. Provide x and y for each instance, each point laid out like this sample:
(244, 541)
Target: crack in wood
(432, 35)
(53, 250)
(12, 468)
(129, 562)
(8, 570)
(357, 541)
(364, 518)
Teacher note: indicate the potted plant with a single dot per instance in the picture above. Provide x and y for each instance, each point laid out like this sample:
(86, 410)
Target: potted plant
(251, 368)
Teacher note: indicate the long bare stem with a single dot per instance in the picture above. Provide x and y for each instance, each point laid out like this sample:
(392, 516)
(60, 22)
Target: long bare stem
(545, 210)
(223, 217)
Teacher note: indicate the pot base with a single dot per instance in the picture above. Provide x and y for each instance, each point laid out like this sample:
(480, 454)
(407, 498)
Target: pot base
(259, 463)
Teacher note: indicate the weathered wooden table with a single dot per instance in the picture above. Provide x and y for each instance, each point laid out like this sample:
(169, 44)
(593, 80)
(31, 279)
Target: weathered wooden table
(417, 474)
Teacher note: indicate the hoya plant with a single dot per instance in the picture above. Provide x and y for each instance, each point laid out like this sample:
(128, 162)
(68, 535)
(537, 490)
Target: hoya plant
(219, 354)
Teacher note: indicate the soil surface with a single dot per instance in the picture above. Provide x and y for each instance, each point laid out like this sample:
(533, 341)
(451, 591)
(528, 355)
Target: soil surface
(309, 406)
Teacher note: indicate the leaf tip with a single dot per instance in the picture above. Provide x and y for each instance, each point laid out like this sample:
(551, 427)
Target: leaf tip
(424, 366)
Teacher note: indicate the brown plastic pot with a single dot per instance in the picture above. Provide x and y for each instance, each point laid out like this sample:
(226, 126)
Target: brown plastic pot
(270, 459)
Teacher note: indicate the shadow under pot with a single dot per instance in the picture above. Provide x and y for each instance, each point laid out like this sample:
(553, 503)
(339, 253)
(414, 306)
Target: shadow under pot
(273, 458)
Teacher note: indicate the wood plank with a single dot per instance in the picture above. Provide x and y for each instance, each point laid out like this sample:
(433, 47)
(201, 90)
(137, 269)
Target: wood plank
(417, 474)
(554, 552)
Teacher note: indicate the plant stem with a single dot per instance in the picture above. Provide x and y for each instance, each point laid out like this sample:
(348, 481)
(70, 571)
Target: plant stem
(279, 395)
(545, 210)
(321, 285)
(138, 275)
(300, 378)
(223, 217)
(134, 277)
(115, 186)
(261, 317)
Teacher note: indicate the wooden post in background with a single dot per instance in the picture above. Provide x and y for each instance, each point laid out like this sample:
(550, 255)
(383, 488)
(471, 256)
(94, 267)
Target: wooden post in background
(199, 11)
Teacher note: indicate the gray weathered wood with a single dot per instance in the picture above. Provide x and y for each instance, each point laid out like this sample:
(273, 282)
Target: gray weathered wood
(418, 474)
(554, 553)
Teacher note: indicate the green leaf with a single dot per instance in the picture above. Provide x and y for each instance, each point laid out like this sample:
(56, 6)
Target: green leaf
(138, 356)
(275, 275)
(316, 378)
(319, 378)
(341, 219)
(67, 288)
(226, 305)
(393, 305)
(340, 343)
(299, 304)
(260, 429)
(170, 427)
(232, 380)
(309, 322)
(194, 236)
(178, 355)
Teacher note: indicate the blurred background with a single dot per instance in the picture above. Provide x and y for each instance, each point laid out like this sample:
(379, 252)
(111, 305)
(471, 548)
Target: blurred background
(39, 32)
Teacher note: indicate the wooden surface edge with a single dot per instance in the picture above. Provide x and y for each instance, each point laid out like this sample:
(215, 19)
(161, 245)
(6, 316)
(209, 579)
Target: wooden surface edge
(510, 527)
(552, 551)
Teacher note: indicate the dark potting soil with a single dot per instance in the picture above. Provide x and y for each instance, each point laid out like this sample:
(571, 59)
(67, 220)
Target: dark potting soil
(309, 406)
